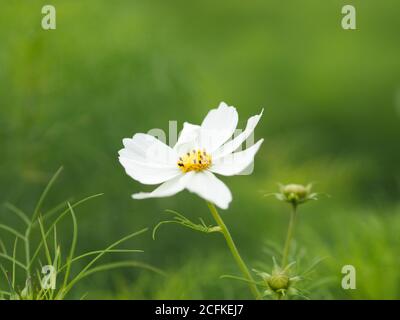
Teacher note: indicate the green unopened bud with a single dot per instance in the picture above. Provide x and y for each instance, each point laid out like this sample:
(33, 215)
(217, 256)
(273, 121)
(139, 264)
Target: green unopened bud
(295, 193)
(279, 280)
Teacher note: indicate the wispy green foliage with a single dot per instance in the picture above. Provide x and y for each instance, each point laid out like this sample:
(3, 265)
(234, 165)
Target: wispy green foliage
(182, 220)
(36, 283)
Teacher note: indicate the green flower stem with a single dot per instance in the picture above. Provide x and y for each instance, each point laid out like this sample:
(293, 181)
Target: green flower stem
(234, 250)
(289, 236)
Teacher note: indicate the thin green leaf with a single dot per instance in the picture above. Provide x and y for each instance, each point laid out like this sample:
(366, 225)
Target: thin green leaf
(12, 230)
(158, 225)
(9, 258)
(73, 245)
(182, 220)
(5, 293)
(84, 296)
(44, 194)
(48, 214)
(91, 253)
(3, 247)
(41, 292)
(123, 264)
(312, 266)
(8, 280)
(57, 220)
(83, 271)
(46, 247)
(14, 259)
(55, 240)
(227, 276)
(18, 212)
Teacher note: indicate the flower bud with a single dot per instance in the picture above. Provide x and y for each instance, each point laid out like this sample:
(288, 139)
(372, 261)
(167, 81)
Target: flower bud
(295, 192)
(279, 280)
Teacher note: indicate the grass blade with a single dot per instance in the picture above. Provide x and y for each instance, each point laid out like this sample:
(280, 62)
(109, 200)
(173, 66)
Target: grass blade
(14, 259)
(5, 293)
(9, 258)
(73, 245)
(123, 264)
(86, 268)
(91, 253)
(44, 193)
(12, 230)
(3, 247)
(55, 209)
(46, 247)
(57, 220)
(18, 212)
(12, 290)
(227, 276)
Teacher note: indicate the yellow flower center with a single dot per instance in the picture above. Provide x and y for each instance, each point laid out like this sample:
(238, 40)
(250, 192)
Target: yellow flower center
(196, 160)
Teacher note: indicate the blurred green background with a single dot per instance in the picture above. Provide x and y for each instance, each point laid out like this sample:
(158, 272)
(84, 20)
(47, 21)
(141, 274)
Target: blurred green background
(332, 106)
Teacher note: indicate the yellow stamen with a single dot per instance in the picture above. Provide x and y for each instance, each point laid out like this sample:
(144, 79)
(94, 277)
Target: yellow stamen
(196, 160)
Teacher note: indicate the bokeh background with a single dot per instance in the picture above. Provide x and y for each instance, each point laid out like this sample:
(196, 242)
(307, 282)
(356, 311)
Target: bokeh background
(111, 69)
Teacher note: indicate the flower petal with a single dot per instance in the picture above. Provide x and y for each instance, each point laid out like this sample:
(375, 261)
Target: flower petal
(236, 163)
(148, 173)
(167, 189)
(235, 143)
(209, 187)
(188, 138)
(147, 149)
(218, 126)
(148, 160)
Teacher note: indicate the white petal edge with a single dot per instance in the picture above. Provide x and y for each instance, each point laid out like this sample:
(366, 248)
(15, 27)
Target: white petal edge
(167, 189)
(235, 143)
(145, 148)
(188, 138)
(235, 163)
(210, 188)
(148, 173)
(218, 126)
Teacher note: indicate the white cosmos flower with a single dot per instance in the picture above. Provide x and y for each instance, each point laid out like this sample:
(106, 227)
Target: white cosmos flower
(199, 152)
